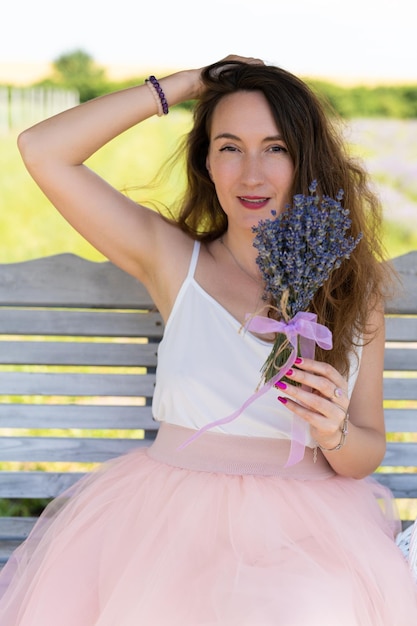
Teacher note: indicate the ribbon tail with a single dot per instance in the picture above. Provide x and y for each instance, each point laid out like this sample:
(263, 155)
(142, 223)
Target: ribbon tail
(298, 429)
(230, 418)
(298, 433)
(297, 448)
(307, 347)
(227, 419)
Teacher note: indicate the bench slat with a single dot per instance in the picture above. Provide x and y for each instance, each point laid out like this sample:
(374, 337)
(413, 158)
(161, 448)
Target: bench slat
(36, 484)
(80, 323)
(71, 449)
(7, 547)
(403, 329)
(79, 416)
(397, 359)
(403, 485)
(400, 388)
(78, 353)
(13, 530)
(73, 384)
(400, 454)
(67, 280)
(401, 420)
(405, 301)
(19, 526)
(23, 383)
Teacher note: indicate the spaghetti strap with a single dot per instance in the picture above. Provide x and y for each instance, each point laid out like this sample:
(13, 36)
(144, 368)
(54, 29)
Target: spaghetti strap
(187, 281)
(194, 260)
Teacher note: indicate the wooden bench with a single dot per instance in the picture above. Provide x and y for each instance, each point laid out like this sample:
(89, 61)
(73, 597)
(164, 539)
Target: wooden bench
(78, 343)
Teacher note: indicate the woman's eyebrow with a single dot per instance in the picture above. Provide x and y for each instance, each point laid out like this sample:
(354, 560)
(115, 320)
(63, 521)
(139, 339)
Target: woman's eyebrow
(226, 136)
(236, 138)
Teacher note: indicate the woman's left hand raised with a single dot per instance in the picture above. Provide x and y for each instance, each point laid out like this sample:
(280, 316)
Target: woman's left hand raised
(322, 400)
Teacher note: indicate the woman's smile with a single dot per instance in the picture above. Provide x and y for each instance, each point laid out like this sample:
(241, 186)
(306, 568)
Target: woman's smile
(253, 203)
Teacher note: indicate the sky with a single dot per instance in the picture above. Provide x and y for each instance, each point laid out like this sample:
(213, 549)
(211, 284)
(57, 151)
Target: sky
(349, 40)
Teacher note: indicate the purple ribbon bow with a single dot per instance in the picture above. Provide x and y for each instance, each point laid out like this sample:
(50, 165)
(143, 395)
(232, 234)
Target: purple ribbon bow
(302, 326)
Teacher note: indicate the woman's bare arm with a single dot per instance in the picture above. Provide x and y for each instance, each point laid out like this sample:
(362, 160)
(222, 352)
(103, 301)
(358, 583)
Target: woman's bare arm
(54, 152)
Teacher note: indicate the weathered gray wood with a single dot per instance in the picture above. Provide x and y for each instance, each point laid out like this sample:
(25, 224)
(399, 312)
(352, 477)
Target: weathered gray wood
(400, 359)
(72, 449)
(67, 280)
(405, 301)
(57, 384)
(7, 547)
(73, 384)
(80, 323)
(400, 454)
(400, 388)
(78, 416)
(36, 484)
(401, 420)
(78, 353)
(12, 532)
(403, 485)
(21, 526)
(401, 329)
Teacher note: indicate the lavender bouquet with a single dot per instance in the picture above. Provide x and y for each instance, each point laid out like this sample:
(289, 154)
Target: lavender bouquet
(297, 252)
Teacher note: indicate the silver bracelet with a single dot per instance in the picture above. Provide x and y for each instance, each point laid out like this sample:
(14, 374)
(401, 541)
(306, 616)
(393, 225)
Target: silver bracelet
(344, 429)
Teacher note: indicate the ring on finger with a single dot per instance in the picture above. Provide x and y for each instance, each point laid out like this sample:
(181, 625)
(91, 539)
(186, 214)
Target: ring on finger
(338, 393)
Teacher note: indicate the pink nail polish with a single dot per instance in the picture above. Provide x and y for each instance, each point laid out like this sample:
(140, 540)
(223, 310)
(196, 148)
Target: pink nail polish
(289, 373)
(283, 400)
(298, 360)
(280, 385)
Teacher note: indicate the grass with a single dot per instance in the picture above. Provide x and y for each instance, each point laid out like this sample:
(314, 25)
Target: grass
(399, 238)
(30, 226)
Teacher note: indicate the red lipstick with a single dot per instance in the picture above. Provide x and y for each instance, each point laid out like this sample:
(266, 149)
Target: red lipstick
(253, 202)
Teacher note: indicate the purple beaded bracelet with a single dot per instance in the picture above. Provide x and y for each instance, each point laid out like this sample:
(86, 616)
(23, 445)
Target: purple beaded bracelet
(161, 101)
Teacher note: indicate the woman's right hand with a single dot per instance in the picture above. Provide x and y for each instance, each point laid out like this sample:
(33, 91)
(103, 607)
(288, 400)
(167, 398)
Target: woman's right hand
(221, 64)
(240, 59)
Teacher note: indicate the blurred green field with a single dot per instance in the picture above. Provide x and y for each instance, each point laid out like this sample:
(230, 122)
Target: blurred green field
(30, 227)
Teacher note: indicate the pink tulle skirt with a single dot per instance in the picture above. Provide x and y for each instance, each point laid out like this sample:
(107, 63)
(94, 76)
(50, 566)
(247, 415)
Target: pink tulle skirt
(216, 534)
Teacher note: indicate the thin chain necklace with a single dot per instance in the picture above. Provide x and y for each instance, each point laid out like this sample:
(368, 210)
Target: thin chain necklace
(261, 297)
(256, 280)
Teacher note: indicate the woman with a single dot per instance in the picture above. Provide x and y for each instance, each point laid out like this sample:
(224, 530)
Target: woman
(223, 530)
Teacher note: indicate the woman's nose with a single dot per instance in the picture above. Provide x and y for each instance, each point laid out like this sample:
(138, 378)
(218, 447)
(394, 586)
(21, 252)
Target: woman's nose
(252, 171)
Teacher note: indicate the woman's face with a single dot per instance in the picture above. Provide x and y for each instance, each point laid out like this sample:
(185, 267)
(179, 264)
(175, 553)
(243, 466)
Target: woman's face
(247, 160)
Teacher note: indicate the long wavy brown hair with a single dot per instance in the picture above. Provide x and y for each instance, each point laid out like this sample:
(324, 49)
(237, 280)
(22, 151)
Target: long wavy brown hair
(317, 148)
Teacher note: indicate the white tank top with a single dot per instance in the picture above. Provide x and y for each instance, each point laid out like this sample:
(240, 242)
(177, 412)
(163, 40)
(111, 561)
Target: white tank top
(208, 367)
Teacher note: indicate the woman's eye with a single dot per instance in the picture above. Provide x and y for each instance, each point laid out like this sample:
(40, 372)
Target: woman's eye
(278, 149)
(228, 149)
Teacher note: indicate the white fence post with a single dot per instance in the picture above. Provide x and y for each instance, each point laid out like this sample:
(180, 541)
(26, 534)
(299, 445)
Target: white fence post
(4, 109)
(21, 107)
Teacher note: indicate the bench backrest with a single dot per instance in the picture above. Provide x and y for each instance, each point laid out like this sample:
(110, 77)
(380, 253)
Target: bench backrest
(400, 386)
(78, 343)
